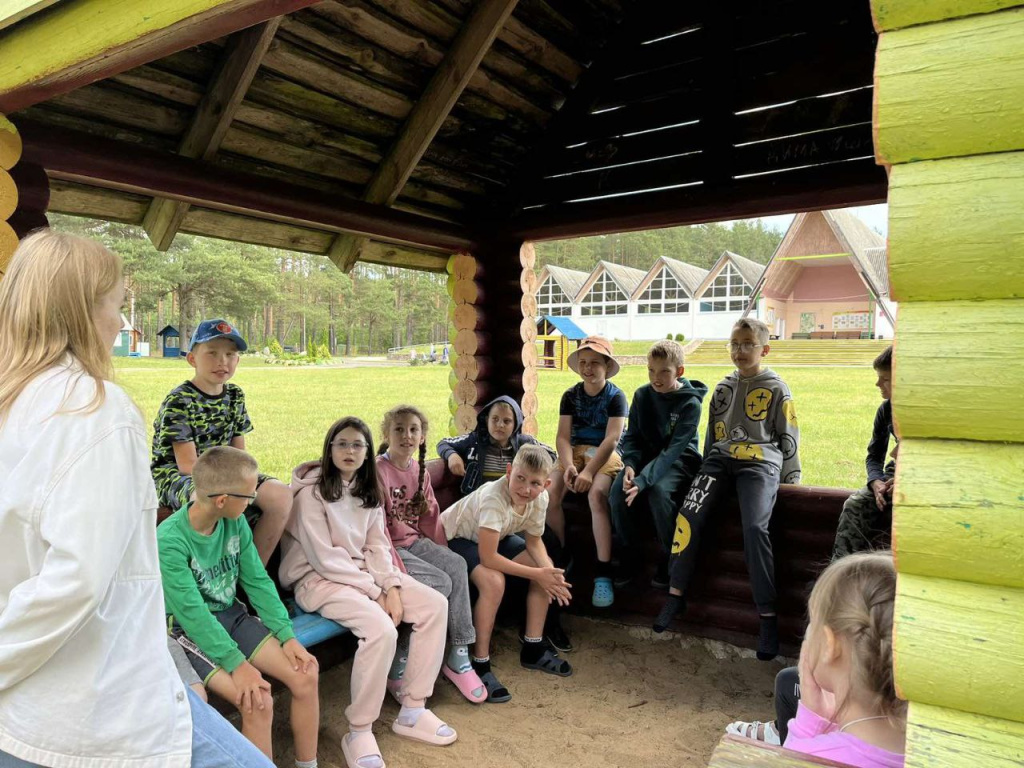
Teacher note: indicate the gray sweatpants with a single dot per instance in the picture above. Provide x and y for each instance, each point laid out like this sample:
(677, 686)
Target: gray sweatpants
(756, 486)
(441, 569)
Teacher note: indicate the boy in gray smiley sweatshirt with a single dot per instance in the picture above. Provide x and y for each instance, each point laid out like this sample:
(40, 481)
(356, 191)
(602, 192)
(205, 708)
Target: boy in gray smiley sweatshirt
(752, 444)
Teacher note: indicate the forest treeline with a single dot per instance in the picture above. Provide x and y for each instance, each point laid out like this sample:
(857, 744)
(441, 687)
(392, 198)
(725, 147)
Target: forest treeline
(300, 298)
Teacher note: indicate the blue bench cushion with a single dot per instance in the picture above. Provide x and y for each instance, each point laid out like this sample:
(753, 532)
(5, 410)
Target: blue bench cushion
(312, 628)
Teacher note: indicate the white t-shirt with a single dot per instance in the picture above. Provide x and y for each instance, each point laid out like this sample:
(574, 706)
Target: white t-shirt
(490, 506)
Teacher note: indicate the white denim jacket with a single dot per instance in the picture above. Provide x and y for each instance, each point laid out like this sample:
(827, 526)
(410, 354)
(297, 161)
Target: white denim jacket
(85, 677)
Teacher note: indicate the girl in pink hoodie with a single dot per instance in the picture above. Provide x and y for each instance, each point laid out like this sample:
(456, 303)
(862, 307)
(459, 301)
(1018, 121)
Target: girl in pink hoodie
(849, 711)
(337, 556)
(416, 532)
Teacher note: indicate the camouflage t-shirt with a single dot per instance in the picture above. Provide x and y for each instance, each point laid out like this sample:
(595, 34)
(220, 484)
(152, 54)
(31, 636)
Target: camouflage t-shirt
(189, 415)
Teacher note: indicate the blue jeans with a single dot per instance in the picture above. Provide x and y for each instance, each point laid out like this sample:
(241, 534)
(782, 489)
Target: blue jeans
(215, 743)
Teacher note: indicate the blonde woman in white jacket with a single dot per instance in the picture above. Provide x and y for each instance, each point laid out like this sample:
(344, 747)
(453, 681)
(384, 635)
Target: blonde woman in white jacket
(86, 679)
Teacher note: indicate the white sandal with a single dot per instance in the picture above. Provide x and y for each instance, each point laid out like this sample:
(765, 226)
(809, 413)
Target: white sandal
(756, 731)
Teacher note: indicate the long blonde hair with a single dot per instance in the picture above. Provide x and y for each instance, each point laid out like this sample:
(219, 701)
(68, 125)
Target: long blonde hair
(48, 299)
(855, 598)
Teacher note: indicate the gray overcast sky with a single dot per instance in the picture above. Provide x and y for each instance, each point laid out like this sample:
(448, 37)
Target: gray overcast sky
(875, 216)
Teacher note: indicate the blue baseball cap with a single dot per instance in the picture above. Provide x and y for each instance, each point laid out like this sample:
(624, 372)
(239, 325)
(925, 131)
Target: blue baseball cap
(218, 328)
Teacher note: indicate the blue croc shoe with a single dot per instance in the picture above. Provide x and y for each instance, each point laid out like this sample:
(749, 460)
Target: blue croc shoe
(604, 592)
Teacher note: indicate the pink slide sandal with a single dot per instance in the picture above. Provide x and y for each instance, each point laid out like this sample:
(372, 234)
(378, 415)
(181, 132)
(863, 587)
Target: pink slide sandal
(361, 745)
(467, 682)
(426, 729)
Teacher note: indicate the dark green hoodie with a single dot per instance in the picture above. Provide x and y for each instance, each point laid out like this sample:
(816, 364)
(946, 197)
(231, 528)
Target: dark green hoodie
(662, 428)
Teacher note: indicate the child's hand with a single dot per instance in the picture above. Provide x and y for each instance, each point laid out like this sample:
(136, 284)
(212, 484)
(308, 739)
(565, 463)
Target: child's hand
(300, 659)
(627, 478)
(456, 466)
(820, 702)
(248, 686)
(631, 494)
(584, 480)
(553, 582)
(393, 605)
(570, 477)
(880, 489)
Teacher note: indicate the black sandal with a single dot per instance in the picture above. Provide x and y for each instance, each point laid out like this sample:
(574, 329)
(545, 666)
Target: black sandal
(496, 692)
(550, 663)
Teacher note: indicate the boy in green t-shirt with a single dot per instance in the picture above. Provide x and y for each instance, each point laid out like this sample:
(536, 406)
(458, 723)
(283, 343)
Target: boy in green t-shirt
(206, 551)
(209, 410)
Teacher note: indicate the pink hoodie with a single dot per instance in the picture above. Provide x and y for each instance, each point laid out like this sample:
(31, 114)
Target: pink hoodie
(399, 487)
(814, 735)
(341, 541)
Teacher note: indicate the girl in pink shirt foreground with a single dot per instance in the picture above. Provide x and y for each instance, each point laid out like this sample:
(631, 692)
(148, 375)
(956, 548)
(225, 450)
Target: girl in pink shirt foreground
(418, 537)
(848, 710)
(337, 556)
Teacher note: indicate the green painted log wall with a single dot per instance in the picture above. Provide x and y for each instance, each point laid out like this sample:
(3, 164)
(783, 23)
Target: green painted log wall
(959, 370)
(959, 511)
(980, 631)
(893, 14)
(962, 218)
(946, 738)
(950, 89)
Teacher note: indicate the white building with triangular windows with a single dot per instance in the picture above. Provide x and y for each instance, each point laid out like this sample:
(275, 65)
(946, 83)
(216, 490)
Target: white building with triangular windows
(624, 303)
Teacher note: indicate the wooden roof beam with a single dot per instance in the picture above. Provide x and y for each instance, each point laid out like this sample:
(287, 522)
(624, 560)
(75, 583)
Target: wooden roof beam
(77, 42)
(88, 159)
(236, 69)
(445, 86)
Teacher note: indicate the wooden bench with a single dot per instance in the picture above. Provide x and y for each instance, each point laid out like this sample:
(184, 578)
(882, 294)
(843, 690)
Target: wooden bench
(720, 601)
(737, 752)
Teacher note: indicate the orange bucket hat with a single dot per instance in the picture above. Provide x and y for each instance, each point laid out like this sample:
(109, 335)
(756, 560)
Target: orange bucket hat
(597, 344)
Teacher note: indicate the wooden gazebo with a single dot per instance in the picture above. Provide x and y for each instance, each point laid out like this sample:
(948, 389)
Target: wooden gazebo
(405, 131)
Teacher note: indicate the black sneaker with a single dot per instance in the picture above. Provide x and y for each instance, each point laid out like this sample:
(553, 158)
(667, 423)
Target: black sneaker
(555, 636)
(660, 579)
(624, 574)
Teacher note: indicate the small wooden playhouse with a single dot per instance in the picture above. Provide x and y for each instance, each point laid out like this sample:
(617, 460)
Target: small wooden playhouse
(404, 132)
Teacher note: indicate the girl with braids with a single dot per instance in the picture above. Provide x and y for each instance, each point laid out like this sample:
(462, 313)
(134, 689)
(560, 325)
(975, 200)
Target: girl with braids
(849, 711)
(336, 555)
(418, 537)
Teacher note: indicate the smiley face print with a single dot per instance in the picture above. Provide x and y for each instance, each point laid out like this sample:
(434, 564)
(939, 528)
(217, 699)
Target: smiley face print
(719, 431)
(789, 411)
(757, 403)
(682, 536)
(721, 399)
(746, 452)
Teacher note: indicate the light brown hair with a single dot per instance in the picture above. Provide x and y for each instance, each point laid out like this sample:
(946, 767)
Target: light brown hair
(534, 458)
(670, 351)
(48, 300)
(855, 597)
(418, 503)
(222, 469)
(759, 329)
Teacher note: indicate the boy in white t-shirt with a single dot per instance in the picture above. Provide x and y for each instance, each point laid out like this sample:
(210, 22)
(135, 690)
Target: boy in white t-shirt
(484, 529)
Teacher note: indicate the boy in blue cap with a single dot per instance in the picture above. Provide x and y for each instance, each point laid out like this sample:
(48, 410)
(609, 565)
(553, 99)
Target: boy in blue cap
(207, 411)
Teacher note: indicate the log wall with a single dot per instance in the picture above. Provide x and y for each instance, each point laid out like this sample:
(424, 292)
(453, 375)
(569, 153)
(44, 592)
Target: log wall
(24, 193)
(945, 119)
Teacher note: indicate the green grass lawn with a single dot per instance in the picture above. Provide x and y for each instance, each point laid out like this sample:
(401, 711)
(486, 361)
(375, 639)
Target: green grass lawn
(292, 408)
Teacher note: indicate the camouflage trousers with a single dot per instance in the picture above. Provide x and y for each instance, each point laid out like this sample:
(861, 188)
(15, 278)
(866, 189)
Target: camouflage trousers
(862, 525)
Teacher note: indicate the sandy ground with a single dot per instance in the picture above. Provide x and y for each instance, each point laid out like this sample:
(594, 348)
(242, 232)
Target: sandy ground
(635, 699)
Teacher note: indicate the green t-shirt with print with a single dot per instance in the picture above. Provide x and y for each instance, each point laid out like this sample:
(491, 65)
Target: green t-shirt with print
(201, 575)
(189, 415)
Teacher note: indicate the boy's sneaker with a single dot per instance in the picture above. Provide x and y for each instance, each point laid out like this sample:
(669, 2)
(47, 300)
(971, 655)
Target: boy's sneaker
(625, 572)
(557, 637)
(660, 579)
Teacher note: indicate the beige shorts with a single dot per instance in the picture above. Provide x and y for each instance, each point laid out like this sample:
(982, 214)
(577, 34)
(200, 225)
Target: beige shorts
(581, 454)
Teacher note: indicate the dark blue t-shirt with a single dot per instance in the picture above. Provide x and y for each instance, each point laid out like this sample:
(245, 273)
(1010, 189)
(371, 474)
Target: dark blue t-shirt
(590, 414)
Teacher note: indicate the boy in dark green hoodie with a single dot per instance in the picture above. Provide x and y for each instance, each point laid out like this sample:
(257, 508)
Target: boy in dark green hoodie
(661, 455)
(752, 444)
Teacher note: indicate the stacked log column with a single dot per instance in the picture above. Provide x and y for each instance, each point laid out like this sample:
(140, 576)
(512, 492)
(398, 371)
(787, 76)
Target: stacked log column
(949, 120)
(491, 317)
(24, 193)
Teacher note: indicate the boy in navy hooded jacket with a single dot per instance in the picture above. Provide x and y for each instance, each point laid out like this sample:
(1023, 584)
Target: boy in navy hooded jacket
(483, 455)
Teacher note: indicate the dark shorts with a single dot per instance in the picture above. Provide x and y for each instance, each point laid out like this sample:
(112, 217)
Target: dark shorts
(510, 547)
(248, 632)
(179, 493)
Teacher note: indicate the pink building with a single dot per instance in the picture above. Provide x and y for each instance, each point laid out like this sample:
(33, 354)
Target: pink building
(827, 279)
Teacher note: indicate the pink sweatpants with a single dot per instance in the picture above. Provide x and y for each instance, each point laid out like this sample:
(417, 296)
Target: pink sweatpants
(424, 608)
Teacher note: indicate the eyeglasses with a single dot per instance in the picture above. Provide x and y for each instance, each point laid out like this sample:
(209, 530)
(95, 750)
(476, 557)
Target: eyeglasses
(746, 346)
(250, 497)
(345, 445)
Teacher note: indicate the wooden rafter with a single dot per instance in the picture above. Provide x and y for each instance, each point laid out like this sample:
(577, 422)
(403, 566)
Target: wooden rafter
(212, 118)
(443, 90)
(88, 159)
(77, 42)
